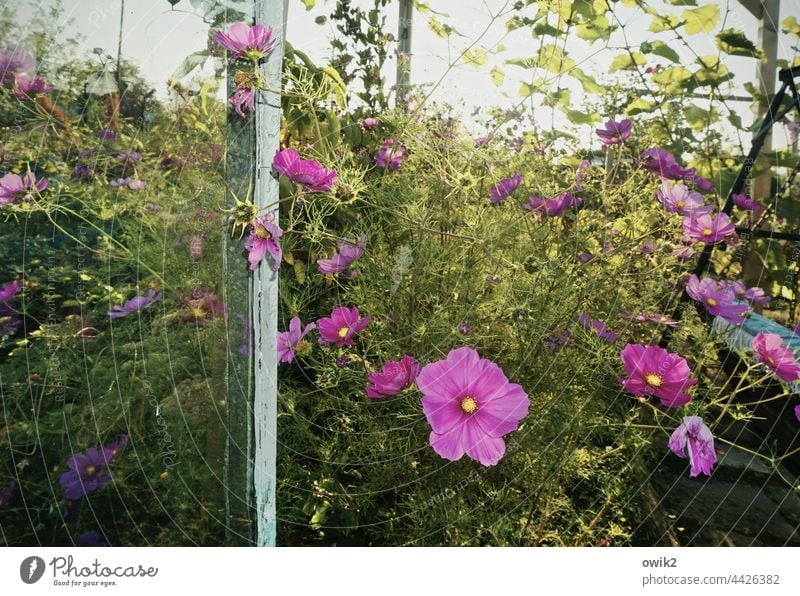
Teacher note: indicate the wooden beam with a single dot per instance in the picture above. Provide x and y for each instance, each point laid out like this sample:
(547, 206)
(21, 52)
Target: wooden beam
(264, 282)
(404, 30)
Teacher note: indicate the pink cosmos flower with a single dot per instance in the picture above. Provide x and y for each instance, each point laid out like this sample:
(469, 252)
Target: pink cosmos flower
(718, 299)
(654, 371)
(307, 172)
(340, 328)
(662, 162)
(755, 295)
(243, 97)
(391, 155)
(370, 123)
(504, 188)
(394, 377)
(244, 41)
(777, 357)
(702, 228)
(8, 291)
(264, 238)
(552, 207)
(615, 132)
(14, 189)
(797, 412)
(702, 184)
(745, 202)
(348, 252)
(678, 199)
(695, 438)
(26, 86)
(290, 342)
(597, 326)
(470, 406)
(14, 62)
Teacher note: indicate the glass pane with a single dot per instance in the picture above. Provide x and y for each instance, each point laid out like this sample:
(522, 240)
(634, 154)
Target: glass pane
(124, 354)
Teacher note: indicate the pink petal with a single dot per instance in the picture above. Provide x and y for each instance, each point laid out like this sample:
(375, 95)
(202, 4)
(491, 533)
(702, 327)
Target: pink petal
(448, 445)
(480, 446)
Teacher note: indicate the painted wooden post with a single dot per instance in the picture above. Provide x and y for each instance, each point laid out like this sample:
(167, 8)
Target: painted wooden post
(404, 47)
(265, 281)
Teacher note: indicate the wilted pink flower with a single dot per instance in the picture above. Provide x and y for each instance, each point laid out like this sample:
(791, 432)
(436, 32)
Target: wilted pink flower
(370, 123)
(290, 342)
(14, 62)
(677, 198)
(463, 328)
(695, 438)
(776, 357)
(552, 207)
(654, 371)
(7, 492)
(26, 86)
(504, 188)
(597, 327)
(307, 172)
(470, 406)
(130, 183)
(557, 339)
(745, 202)
(348, 252)
(264, 238)
(340, 328)
(615, 132)
(585, 257)
(394, 377)
(717, 298)
(14, 189)
(135, 304)
(582, 167)
(244, 41)
(391, 155)
(243, 96)
(683, 253)
(702, 228)
(797, 412)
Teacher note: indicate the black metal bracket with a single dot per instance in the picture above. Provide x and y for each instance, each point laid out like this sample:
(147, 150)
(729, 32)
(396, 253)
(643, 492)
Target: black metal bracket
(774, 114)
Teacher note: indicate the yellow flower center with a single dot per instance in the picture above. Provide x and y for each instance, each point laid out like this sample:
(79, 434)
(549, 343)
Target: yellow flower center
(262, 233)
(343, 332)
(301, 345)
(90, 470)
(771, 360)
(711, 302)
(679, 204)
(469, 405)
(654, 380)
(707, 231)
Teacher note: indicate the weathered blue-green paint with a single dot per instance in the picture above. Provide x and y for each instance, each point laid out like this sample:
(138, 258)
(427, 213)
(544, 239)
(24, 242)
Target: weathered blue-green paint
(265, 281)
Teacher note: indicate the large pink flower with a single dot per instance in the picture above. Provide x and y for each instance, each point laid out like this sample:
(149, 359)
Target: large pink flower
(340, 328)
(615, 132)
(244, 41)
(27, 86)
(777, 357)
(311, 174)
(470, 406)
(677, 198)
(654, 371)
(264, 238)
